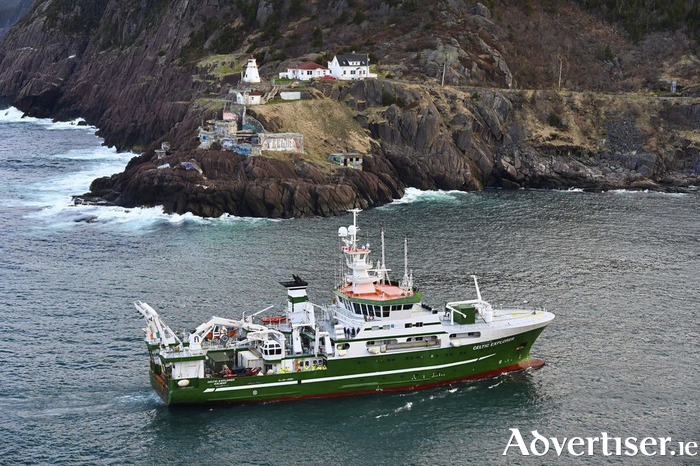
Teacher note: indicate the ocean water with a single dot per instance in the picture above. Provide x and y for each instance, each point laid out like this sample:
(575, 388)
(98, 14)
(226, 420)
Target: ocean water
(620, 269)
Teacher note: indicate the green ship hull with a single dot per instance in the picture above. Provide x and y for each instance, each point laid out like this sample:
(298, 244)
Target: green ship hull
(367, 374)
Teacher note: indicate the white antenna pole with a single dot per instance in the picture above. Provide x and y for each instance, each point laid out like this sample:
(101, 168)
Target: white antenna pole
(405, 256)
(354, 224)
(405, 283)
(383, 260)
(476, 285)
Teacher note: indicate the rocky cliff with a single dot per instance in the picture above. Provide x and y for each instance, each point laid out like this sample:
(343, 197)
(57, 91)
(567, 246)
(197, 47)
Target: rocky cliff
(151, 70)
(430, 138)
(12, 11)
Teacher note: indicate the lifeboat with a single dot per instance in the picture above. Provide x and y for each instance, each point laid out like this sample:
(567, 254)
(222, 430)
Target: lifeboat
(230, 332)
(273, 320)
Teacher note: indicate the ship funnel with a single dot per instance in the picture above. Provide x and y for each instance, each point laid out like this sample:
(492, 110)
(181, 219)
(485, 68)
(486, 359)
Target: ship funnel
(300, 311)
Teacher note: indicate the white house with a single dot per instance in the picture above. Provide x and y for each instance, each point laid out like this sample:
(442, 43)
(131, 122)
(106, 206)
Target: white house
(305, 72)
(249, 98)
(352, 66)
(251, 75)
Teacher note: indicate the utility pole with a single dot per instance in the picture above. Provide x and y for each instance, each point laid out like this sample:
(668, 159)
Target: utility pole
(561, 62)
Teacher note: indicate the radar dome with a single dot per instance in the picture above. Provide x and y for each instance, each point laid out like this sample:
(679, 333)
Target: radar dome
(342, 232)
(352, 230)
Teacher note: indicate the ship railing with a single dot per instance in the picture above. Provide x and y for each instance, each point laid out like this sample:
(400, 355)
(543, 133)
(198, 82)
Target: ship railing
(524, 310)
(343, 315)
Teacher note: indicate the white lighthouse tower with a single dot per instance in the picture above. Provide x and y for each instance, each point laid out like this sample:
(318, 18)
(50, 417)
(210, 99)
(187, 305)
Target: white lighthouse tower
(251, 75)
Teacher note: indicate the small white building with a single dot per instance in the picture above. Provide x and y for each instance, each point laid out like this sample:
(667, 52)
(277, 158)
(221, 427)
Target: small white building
(290, 95)
(347, 159)
(249, 97)
(305, 72)
(250, 74)
(351, 66)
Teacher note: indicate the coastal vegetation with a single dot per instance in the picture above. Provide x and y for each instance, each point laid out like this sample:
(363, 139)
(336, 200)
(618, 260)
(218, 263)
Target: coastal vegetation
(517, 94)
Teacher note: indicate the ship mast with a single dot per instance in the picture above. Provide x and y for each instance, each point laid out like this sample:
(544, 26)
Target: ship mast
(407, 281)
(356, 259)
(383, 256)
(381, 267)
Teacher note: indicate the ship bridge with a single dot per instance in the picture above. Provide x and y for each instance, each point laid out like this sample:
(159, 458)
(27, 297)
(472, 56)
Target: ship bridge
(366, 292)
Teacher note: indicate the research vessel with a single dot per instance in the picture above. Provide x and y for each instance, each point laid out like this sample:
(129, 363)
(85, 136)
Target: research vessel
(378, 335)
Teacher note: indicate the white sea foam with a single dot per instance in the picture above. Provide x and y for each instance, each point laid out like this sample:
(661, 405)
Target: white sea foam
(628, 191)
(412, 195)
(405, 407)
(50, 199)
(644, 191)
(13, 115)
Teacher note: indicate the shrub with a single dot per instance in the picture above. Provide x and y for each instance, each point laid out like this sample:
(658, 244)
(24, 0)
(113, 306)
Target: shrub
(279, 56)
(227, 41)
(359, 17)
(317, 38)
(555, 121)
(296, 8)
(342, 18)
(388, 99)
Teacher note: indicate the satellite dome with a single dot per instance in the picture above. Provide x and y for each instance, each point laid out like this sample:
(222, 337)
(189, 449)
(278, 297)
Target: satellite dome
(342, 232)
(352, 230)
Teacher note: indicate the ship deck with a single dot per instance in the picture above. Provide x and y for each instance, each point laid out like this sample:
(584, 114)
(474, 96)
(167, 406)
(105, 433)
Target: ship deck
(381, 293)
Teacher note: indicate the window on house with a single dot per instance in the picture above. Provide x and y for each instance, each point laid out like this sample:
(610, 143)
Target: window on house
(309, 72)
(345, 72)
(352, 72)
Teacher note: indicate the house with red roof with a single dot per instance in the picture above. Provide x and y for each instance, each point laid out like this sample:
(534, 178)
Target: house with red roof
(305, 72)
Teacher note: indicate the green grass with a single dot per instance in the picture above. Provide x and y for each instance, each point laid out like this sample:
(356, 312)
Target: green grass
(279, 100)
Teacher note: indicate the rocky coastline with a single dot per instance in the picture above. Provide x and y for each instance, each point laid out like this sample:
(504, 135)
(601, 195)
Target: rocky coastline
(131, 74)
(436, 139)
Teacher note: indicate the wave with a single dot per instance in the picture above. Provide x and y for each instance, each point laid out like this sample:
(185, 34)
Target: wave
(53, 199)
(13, 115)
(644, 191)
(412, 195)
(97, 153)
(46, 194)
(137, 218)
(406, 407)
